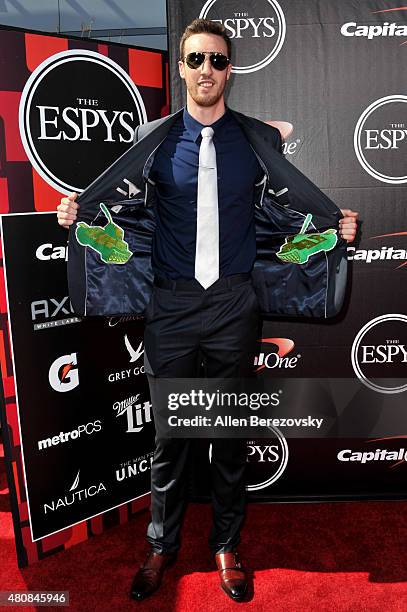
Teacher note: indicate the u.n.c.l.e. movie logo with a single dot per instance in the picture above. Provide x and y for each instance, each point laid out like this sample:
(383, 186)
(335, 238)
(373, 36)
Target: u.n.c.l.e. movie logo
(380, 139)
(379, 354)
(77, 115)
(257, 28)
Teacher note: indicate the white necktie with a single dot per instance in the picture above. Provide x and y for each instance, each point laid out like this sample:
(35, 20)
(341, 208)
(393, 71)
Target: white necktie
(207, 215)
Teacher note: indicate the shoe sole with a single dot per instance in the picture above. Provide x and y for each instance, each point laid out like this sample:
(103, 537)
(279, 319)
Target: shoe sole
(229, 594)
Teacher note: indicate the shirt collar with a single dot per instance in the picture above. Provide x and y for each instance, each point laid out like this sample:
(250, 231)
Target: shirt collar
(194, 127)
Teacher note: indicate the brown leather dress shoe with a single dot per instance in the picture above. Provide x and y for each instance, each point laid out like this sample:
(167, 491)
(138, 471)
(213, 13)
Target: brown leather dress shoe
(149, 576)
(233, 579)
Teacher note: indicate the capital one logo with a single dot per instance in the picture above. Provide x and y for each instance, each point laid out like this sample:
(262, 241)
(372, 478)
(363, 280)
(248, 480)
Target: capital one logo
(63, 374)
(383, 30)
(380, 139)
(280, 359)
(80, 106)
(257, 28)
(384, 253)
(379, 354)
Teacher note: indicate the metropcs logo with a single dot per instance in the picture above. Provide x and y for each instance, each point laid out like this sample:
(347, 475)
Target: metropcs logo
(277, 359)
(379, 354)
(371, 31)
(67, 436)
(63, 374)
(257, 28)
(380, 139)
(59, 123)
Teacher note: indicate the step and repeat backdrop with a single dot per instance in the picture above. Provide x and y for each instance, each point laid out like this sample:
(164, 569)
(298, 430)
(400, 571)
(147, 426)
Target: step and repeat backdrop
(76, 417)
(330, 75)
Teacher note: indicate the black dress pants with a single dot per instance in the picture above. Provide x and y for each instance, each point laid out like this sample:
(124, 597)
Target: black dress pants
(187, 329)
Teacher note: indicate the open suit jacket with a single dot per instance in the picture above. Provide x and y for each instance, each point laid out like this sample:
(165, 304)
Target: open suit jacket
(314, 288)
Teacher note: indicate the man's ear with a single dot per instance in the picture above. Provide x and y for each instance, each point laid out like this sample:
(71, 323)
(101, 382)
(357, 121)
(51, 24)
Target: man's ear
(181, 69)
(229, 69)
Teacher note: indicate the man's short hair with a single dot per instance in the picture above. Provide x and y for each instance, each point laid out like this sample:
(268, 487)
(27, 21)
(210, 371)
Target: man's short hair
(201, 26)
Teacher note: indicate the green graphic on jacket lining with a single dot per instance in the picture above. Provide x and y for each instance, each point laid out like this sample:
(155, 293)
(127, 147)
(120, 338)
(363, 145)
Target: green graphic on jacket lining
(107, 241)
(299, 248)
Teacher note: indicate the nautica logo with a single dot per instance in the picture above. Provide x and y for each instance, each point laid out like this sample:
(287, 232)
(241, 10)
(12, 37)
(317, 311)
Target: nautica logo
(77, 495)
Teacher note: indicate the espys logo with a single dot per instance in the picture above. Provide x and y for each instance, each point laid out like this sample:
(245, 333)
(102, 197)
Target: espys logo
(379, 354)
(384, 253)
(380, 139)
(387, 29)
(258, 31)
(267, 460)
(277, 359)
(75, 495)
(59, 120)
(63, 374)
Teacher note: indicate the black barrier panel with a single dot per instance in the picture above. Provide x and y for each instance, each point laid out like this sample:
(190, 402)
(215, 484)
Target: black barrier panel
(84, 409)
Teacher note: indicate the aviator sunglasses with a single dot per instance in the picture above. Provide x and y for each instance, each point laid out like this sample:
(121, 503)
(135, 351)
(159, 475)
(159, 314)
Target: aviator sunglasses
(197, 58)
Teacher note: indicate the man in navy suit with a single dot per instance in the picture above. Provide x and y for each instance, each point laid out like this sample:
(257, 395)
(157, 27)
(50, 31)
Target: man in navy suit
(203, 311)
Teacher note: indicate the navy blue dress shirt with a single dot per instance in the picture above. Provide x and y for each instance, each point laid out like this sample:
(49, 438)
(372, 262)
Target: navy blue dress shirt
(175, 172)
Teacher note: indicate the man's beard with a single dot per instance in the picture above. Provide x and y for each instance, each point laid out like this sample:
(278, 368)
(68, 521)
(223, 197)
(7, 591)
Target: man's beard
(205, 100)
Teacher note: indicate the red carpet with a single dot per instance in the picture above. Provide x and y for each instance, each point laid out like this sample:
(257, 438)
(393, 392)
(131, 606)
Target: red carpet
(325, 557)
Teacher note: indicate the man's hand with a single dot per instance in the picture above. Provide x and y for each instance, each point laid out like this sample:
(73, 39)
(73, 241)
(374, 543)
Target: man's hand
(348, 225)
(67, 210)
